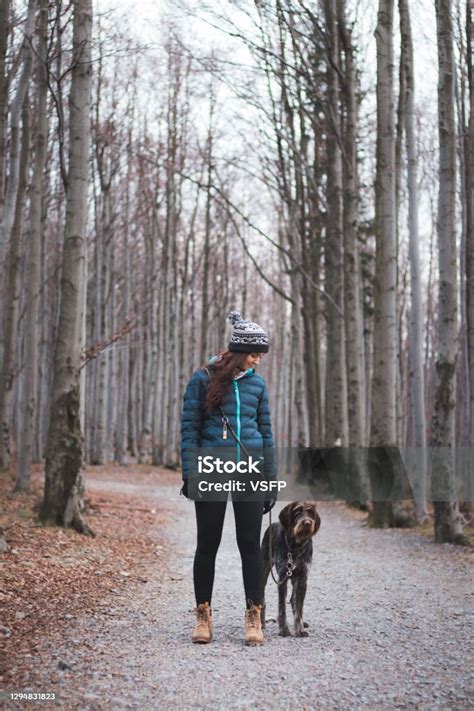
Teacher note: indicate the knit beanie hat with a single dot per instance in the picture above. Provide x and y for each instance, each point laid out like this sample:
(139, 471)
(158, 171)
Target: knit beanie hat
(247, 336)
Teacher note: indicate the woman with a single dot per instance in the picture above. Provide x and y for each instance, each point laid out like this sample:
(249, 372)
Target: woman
(226, 404)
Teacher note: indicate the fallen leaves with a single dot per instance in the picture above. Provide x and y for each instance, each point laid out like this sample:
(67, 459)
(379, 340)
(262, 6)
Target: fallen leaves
(52, 575)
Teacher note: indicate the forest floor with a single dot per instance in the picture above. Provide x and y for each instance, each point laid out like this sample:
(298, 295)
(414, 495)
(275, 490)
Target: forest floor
(105, 622)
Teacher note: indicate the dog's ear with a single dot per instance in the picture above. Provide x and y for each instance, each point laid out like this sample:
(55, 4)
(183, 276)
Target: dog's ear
(285, 516)
(317, 519)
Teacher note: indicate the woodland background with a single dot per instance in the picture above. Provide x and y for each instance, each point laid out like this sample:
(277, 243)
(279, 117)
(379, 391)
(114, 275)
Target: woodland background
(275, 157)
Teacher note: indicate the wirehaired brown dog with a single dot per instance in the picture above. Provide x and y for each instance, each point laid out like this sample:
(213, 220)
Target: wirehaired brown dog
(292, 553)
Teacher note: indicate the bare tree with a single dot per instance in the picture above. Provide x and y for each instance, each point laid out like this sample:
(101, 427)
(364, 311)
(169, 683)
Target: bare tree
(4, 24)
(337, 427)
(416, 372)
(15, 129)
(354, 331)
(469, 158)
(64, 454)
(383, 417)
(448, 527)
(13, 200)
(33, 266)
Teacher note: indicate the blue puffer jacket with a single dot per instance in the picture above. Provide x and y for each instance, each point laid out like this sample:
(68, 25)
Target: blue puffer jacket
(247, 408)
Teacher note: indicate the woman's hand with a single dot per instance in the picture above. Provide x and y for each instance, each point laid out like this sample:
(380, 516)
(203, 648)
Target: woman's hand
(269, 504)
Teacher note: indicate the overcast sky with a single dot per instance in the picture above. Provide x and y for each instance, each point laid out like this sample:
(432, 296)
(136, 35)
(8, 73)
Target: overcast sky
(145, 20)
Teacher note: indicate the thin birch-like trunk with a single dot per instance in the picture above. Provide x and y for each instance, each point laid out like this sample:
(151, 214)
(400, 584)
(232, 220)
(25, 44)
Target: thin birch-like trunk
(447, 524)
(352, 290)
(124, 356)
(98, 455)
(337, 429)
(469, 152)
(15, 128)
(4, 34)
(173, 351)
(416, 370)
(462, 424)
(13, 294)
(43, 330)
(7, 218)
(354, 331)
(144, 440)
(297, 364)
(112, 382)
(152, 347)
(384, 382)
(33, 265)
(203, 352)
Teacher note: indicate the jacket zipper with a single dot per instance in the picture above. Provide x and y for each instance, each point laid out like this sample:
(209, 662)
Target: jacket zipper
(237, 397)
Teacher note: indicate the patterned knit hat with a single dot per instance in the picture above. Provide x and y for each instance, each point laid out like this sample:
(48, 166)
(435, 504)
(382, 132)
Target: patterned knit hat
(247, 336)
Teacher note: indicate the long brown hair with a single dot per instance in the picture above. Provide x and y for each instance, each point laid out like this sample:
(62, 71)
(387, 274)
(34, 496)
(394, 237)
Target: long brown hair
(221, 376)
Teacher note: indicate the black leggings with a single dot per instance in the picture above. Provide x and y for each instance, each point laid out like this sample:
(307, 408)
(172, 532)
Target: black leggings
(248, 523)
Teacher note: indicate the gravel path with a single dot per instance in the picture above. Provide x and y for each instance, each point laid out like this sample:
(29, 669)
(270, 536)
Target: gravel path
(390, 618)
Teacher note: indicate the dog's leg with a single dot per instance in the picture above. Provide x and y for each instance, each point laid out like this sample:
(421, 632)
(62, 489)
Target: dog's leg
(292, 598)
(297, 602)
(283, 629)
(292, 601)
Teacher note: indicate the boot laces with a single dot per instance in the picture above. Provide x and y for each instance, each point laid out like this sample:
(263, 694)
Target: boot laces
(253, 617)
(201, 614)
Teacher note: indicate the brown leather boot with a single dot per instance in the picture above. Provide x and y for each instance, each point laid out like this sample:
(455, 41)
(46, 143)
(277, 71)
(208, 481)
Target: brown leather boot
(203, 631)
(253, 625)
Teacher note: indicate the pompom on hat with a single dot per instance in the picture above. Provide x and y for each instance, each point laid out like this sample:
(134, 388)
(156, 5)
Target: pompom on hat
(247, 336)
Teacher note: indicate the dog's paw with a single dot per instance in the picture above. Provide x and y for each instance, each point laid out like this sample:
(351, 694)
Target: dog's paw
(301, 633)
(285, 632)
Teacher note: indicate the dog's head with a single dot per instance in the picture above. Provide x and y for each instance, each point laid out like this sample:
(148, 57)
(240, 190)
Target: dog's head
(300, 519)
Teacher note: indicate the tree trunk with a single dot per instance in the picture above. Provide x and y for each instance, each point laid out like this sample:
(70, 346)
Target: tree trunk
(203, 352)
(416, 370)
(63, 490)
(7, 219)
(33, 266)
(4, 34)
(352, 288)
(144, 439)
(12, 292)
(124, 368)
(448, 527)
(383, 418)
(15, 113)
(102, 285)
(336, 429)
(469, 153)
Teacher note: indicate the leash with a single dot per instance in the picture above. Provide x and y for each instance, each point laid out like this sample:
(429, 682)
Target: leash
(290, 564)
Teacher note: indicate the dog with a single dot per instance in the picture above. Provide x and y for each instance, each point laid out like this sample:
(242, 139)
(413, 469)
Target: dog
(299, 521)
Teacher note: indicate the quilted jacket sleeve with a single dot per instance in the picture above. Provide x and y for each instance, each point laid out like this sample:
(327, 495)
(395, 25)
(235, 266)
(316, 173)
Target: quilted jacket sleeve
(191, 420)
(264, 423)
